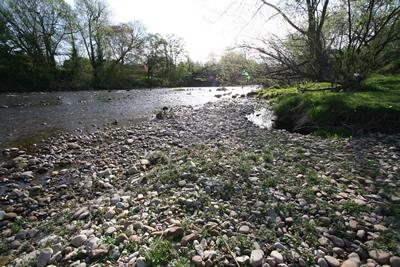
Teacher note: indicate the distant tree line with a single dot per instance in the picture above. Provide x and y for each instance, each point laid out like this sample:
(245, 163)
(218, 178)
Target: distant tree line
(332, 40)
(50, 45)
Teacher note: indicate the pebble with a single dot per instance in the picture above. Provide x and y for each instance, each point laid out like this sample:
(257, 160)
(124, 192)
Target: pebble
(197, 260)
(277, 256)
(256, 257)
(382, 257)
(322, 262)
(44, 257)
(78, 240)
(244, 229)
(395, 261)
(333, 262)
(350, 263)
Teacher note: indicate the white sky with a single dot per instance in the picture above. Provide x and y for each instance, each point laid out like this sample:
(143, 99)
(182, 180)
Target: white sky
(207, 26)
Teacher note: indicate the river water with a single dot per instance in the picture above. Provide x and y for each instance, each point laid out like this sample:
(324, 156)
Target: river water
(25, 117)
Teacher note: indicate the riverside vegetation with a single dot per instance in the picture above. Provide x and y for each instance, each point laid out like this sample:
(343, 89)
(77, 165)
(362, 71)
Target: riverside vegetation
(374, 108)
(202, 187)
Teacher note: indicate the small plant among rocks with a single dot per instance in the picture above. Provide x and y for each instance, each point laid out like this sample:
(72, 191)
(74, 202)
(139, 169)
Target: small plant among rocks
(160, 252)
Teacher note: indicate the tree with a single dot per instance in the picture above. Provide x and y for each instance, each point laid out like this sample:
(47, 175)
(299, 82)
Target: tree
(125, 42)
(154, 56)
(310, 30)
(365, 31)
(36, 27)
(92, 24)
(236, 69)
(331, 40)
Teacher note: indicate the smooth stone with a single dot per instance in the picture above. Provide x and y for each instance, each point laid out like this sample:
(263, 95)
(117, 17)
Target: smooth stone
(197, 260)
(78, 240)
(44, 257)
(243, 259)
(277, 256)
(141, 262)
(322, 262)
(332, 261)
(350, 263)
(244, 229)
(395, 261)
(381, 256)
(256, 257)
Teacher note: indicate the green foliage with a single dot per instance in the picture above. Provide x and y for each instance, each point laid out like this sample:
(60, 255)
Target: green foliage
(132, 246)
(353, 208)
(172, 175)
(158, 157)
(374, 109)
(159, 253)
(186, 224)
(181, 262)
(15, 227)
(267, 156)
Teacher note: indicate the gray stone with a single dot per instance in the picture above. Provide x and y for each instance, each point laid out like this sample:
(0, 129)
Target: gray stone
(395, 261)
(350, 263)
(277, 256)
(256, 257)
(78, 240)
(141, 262)
(244, 229)
(322, 262)
(44, 257)
(174, 232)
(243, 260)
(332, 261)
(197, 260)
(381, 256)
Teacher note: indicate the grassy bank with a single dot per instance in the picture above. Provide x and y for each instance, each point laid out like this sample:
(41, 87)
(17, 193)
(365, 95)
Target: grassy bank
(374, 109)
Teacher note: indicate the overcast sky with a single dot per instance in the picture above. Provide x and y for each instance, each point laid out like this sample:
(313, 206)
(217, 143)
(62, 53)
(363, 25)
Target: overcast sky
(207, 26)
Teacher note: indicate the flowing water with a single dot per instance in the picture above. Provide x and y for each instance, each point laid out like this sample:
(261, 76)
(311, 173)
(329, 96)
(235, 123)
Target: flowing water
(26, 116)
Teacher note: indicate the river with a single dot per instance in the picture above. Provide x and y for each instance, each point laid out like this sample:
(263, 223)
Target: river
(28, 117)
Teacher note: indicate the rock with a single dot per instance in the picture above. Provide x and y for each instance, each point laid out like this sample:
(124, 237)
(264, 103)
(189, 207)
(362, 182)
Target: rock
(244, 229)
(28, 175)
(4, 260)
(243, 260)
(355, 257)
(333, 262)
(174, 232)
(98, 253)
(337, 241)
(322, 262)
(350, 263)
(2, 214)
(189, 238)
(395, 261)
(256, 257)
(144, 162)
(380, 256)
(110, 230)
(361, 234)
(44, 257)
(380, 228)
(141, 262)
(10, 216)
(78, 240)
(197, 260)
(277, 256)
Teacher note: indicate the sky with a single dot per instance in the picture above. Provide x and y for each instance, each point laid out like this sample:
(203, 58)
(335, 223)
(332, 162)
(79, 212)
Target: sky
(207, 26)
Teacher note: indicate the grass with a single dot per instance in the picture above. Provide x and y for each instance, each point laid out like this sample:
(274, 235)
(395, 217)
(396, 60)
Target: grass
(159, 253)
(376, 108)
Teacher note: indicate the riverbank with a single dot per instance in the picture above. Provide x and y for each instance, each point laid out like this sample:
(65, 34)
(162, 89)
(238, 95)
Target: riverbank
(375, 108)
(202, 186)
